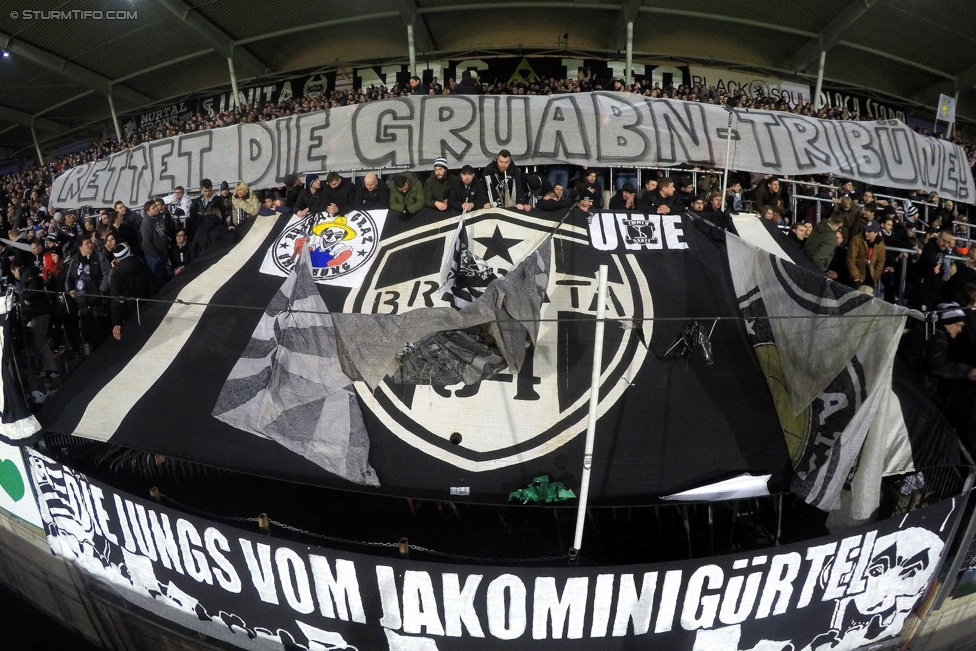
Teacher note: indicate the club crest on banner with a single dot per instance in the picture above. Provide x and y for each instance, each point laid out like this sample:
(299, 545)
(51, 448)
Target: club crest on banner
(340, 246)
(511, 417)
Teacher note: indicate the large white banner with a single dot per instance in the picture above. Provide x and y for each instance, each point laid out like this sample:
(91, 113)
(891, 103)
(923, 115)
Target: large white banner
(755, 86)
(604, 128)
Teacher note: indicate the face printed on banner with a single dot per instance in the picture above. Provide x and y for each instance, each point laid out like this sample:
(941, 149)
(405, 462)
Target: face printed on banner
(901, 565)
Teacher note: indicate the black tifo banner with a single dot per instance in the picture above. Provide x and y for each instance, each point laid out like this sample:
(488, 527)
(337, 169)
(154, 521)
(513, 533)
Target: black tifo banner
(838, 593)
(585, 128)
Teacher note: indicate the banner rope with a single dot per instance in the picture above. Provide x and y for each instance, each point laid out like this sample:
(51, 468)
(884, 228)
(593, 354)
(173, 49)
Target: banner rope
(346, 541)
(622, 319)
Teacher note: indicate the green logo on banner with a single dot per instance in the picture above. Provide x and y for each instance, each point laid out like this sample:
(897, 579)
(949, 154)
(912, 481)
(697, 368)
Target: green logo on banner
(11, 481)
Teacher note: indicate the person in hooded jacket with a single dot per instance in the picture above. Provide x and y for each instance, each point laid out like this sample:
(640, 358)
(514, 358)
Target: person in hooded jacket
(468, 85)
(129, 279)
(245, 204)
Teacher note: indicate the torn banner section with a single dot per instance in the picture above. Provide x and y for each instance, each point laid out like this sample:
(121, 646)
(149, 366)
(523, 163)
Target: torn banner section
(828, 353)
(372, 345)
(293, 383)
(288, 385)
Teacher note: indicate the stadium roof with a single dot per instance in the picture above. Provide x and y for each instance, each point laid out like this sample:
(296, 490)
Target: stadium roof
(61, 71)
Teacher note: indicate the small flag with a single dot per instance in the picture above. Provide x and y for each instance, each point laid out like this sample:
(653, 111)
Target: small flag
(947, 109)
(464, 275)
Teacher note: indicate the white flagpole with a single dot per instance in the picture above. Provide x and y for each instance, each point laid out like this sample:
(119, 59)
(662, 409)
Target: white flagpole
(728, 155)
(601, 309)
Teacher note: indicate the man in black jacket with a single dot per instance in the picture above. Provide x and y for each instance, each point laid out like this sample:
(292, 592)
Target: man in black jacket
(372, 194)
(36, 308)
(933, 269)
(467, 85)
(466, 194)
(86, 279)
(662, 201)
(338, 194)
(625, 199)
(129, 279)
(200, 205)
(312, 199)
(155, 242)
(417, 87)
(504, 178)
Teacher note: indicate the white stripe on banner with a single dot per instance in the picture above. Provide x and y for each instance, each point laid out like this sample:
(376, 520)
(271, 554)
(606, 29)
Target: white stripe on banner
(106, 411)
(752, 230)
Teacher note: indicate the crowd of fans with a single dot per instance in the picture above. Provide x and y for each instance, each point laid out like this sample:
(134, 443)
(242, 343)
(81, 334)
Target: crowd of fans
(81, 274)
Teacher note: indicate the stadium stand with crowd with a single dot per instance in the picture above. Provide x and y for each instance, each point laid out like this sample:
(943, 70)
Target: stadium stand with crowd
(83, 272)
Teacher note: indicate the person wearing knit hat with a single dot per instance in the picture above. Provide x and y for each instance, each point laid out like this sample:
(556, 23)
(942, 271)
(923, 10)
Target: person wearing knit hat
(129, 279)
(437, 187)
(121, 252)
(931, 362)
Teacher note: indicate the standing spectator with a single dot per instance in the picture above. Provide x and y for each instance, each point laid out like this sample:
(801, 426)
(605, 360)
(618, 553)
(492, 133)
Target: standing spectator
(245, 204)
(467, 86)
(198, 208)
(417, 87)
(406, 195)
(155, 243)
(36, 308)
(848, 213)
(504, 178)
(87, 283)
(932, 270)
(866, 258)
(822, 242)
(225, 198)
(129, 227)
(129, 279)
(178, 200)
(768, 193)
(180, 254)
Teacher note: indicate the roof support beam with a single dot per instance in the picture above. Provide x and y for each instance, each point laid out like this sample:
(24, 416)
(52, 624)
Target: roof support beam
(216, 37)
(26, 119)
(831, 35)
(963, 81)
(411, 18)
(71, 70)
(628, 14)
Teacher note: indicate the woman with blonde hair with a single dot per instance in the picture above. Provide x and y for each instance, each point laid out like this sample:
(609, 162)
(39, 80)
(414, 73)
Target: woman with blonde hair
(245, 203)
